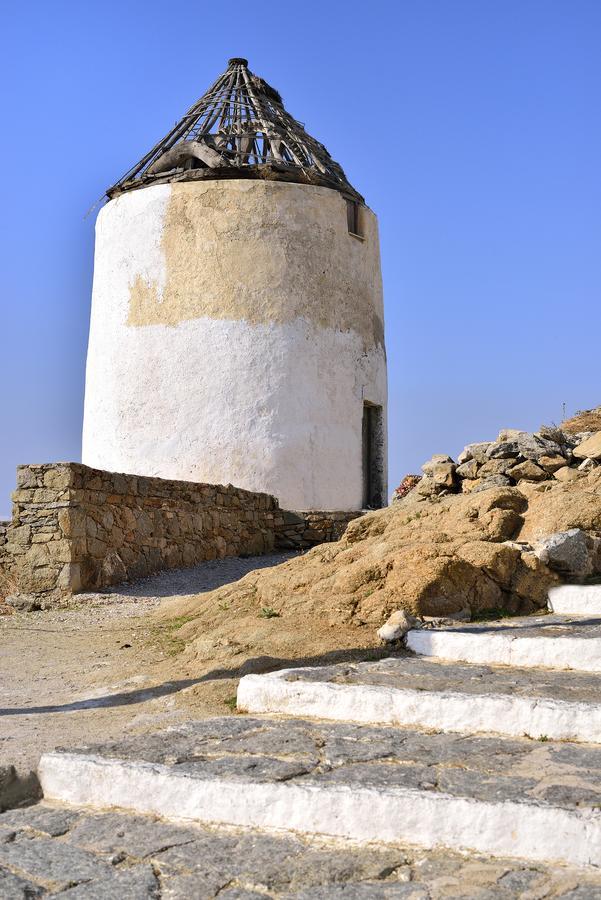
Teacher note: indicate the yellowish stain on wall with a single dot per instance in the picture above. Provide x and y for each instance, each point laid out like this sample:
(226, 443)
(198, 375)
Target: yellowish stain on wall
(264, 252)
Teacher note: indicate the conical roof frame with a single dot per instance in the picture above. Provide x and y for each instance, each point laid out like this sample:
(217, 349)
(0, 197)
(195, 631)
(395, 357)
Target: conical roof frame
(238, 129)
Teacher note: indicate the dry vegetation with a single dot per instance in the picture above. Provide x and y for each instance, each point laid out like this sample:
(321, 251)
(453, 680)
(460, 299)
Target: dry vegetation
(584, 420)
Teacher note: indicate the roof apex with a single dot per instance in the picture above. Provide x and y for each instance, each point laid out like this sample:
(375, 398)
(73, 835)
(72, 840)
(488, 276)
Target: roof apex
(237, 129)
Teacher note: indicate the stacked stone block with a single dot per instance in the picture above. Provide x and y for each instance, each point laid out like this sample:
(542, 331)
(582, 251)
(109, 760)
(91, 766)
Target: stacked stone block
(75, 528)
(302, 530)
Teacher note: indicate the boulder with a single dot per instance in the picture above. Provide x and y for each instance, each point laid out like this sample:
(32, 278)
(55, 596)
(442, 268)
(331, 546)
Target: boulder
(589, 448)
(504, 450)
(566, 474)
(113, 570)
(532, 580)
(427, 487)
(581, 436)
(469, 485)
(24, 602)
(444, 475)
(572, 552)
(533, 446)
(468, 469)
(437, 460)
(551, 463)
(553, 433)
(440, 477)
(508, 434)
(397, 625)
(495, 481)
(495, 467)
(475, 451)
(528, 471)
(587, 464)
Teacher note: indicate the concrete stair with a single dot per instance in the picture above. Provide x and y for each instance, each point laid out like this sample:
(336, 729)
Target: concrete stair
(576, 600)
(499, 796)
(552, 641)
(482, 744)
(434, 694)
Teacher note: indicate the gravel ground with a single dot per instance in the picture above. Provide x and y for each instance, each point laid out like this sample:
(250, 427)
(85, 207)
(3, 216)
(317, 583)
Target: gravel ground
(104, 668)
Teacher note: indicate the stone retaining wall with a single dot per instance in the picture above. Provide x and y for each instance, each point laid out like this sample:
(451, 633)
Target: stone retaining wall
(302, 530)
(77, 529)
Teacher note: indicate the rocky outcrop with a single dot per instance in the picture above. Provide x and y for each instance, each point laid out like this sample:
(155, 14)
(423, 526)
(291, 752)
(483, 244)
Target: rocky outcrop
(575, 553)
(515, 458)
(584, 420)
(466, 544)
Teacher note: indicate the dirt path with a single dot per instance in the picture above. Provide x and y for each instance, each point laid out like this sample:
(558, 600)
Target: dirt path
(107, 668)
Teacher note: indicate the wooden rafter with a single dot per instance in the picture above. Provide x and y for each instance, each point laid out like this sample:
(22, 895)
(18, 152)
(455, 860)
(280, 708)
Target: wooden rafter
(238, 126)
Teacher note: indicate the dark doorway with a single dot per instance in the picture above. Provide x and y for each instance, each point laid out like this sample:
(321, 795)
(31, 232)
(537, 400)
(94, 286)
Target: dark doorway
(373, 457)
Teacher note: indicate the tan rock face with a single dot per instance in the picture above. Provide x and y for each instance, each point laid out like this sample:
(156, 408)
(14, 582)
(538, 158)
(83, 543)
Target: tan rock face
(590, 448)
(575, 504)
(527, 470)
(551, 464)
(429, 557)
(566, 474)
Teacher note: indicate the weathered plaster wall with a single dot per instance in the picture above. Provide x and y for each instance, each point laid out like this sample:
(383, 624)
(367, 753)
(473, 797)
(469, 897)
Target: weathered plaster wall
(75, 528)
(236, 332)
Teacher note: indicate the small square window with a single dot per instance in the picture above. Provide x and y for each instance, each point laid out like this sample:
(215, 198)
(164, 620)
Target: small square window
(352, 217)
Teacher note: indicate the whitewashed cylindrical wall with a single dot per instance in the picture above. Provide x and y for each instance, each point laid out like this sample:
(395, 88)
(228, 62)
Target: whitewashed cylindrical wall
(236, 334)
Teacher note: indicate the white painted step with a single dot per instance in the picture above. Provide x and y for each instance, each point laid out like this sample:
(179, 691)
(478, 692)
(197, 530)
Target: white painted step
(556, 642)
(498, 796)
(576, 599)
(429, 693)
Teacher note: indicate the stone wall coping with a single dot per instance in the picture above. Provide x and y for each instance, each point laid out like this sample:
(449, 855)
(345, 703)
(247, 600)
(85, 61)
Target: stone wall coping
(121, 482)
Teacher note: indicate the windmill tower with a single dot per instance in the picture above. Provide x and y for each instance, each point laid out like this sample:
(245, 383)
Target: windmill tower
(237, 319)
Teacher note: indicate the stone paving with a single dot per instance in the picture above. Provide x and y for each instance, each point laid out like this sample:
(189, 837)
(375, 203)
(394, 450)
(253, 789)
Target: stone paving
(423, 674)
(73, 853)
(547, 626)
(251, 750)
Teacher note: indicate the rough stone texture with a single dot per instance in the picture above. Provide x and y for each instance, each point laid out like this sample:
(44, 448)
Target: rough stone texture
(301, 530)
(527, 470)
(494, 481)
(516, 457)
(76, 528)
(17, 788)
(565, 474)
(551, 464)
(572, 552)
(251, 750)
(214, 355)
(533, 446)
(590, 448)
(397, 625)
(502, 450)
(477, 451)
(423, 674)
(429, 558)
(148, 859)
(439, 459)
(539, 626)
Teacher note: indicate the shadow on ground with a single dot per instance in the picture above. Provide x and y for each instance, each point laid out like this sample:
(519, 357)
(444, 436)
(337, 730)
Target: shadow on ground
(253, 666)
(206, 576)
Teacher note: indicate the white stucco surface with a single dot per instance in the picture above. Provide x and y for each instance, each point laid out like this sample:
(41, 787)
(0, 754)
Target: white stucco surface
(576, 599)
(235, 336)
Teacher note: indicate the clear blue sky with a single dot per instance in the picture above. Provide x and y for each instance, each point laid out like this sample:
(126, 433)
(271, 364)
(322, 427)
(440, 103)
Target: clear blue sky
(472, 127)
